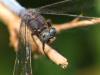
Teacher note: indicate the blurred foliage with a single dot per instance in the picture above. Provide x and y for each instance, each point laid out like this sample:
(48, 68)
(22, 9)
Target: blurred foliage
(81, 46)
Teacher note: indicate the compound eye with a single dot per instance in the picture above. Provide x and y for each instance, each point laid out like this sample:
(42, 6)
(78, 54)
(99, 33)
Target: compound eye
(45, 36)
(52, 32)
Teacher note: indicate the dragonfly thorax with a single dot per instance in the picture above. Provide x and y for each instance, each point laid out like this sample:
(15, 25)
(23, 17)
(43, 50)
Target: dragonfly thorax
(39, 26)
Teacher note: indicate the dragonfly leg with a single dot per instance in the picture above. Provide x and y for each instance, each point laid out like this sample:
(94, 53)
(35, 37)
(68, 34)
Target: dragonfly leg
(49, 23)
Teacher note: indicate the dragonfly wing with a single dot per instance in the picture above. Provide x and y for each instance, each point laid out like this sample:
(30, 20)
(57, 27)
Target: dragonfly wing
(23, 55)
(69, 8)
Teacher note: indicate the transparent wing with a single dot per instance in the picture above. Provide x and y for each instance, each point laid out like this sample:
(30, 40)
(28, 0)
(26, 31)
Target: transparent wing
(23, 55)
(70, 8)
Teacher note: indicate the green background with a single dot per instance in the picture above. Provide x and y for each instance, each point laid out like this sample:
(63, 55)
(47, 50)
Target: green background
(81, 46)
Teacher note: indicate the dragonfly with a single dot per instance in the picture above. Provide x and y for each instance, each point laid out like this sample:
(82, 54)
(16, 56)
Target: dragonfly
(42, 28)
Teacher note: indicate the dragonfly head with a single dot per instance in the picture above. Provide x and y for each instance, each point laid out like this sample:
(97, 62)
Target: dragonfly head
(48, 35)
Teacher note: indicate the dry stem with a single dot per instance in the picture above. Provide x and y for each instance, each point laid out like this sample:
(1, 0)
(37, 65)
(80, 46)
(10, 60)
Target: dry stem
(77, 23)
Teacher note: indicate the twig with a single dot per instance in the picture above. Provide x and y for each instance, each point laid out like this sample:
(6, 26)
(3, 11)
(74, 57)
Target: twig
(77, 23)
(12, 22)
(52, 54)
